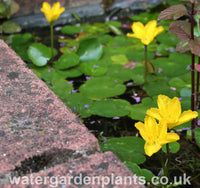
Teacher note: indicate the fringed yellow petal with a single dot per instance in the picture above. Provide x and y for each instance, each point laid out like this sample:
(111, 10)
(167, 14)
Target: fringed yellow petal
(52, 14)
(184, 117)
(150, 149)
(155, 113)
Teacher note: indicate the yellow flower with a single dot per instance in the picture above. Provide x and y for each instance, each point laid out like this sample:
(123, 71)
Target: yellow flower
(145, 33)
(155, 135)
(170, 110)
(52, 14)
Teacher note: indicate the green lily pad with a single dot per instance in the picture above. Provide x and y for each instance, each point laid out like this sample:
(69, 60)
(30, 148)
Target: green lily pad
(61, 88)
(119, 73)
(95, 28)
(11, 27)
(94, 68)
(71, 30)
(79, 104)
(119, 59)
(102, 87)
(177, 82)
(127, 148)
(138, 111)
(67, 60)
(39, 54)
(90, 49)
(158, 85)
(173, 147)
(71, 73)
(111, 108)
(20, 44)
(140, 172)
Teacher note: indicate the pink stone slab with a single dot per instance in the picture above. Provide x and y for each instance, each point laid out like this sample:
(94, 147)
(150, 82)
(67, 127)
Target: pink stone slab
(95, 171)
(32, 119)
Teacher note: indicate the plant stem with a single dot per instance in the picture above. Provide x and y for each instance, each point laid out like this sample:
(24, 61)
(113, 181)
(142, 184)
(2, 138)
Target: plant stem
(193, 76)
(164, 167)
(145, 64)
(168, 158)
(52, 45)
(197, 88)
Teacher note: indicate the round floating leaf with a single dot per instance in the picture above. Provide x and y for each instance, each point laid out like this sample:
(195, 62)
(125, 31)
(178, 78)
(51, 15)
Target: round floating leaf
(11, 27)
(119, 59)
(80, 104)
(138, 111)
(67, 60)
(94, 68)
(119, 73)
(39, 54)
(139, 172)
(111, 108)
(90, 49)
(114, 23)
(102, 87)
(127, 148)
(177, 82)
(153, 87)
(20, 43)
(71, 73)
(70, 29)
(60, 87)
(173, 146)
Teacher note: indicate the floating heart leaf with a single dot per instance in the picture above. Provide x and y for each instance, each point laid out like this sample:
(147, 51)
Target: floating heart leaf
(11, 27)
(61, 88)
(102, 87)
(90, 49)
(20, 43)
(119, 73)
(127, 148)
(94, 68)
(138, 111)
(139, 172)
(67, 60)
(39, 54)
(70, 29)
(79, 104)
(111, 108)
(173, 146)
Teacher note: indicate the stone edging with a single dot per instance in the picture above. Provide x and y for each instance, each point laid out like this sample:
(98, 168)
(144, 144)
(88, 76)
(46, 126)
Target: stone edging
(40, 136)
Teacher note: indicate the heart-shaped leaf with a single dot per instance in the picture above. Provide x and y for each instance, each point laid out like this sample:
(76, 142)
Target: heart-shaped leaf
(173, 12)
(102, 87)
(67, 60)
(39, 54)
(111, 108)
(90, 49)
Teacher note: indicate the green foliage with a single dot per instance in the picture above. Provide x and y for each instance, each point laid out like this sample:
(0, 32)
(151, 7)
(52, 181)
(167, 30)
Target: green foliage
(20, 43)
(127, 148)
(67, 61)
(138, 111)
(197, 135)
(139, 172)
(10, 27)
(39, 54)
(111, 108)
(90, 49)
(173, 147)
(77, 102)
(102, 87)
